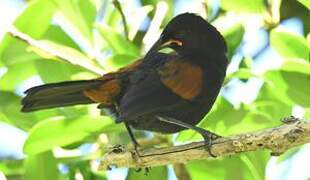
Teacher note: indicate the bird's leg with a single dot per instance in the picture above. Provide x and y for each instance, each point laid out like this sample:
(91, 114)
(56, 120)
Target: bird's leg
(207, 135)
(133, 139)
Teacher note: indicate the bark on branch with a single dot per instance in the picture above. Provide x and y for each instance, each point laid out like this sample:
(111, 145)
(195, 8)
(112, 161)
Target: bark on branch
(293, 132)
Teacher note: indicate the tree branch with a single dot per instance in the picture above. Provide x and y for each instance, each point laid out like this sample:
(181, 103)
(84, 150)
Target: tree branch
(293, 132)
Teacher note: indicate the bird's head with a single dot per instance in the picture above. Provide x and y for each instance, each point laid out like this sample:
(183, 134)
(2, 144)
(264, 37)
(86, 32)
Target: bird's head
(189, 34)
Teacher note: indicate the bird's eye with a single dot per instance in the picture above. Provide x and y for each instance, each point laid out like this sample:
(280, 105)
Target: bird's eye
(180, 34)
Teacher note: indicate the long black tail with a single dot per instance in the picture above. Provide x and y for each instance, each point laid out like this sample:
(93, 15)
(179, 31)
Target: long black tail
(58, 95)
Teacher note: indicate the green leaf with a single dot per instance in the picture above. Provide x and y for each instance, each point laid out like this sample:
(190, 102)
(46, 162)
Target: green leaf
(250, 166)
(292, 87)
(4, 118)
(60, 131)
(288, 154)
(42, 166)
(243, 6)
(117, 42)
(80, 15)
(305, 3)
(51, 50)
(233, 37)
(137, 19)
(307, 113)
(57, 35)
(296, 65)
(220, 120)
(225, 119)
(289, 45)
(298, 87)
(276, 87)
(10, 105)
(118, 61)
(12, 167)
(88, 11)
(56, 71)
(242, 73)
(16, 74)
(17, 53)
(34, 21)
(154, 174)
(13, 52)
(112, 17)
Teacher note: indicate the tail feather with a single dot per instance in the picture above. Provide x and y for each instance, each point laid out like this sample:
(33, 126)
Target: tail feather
(58, 95)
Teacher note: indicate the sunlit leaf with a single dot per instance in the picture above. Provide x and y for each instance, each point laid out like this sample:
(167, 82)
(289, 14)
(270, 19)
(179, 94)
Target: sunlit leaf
(220, 120)
(243, 6)
(57, 35)
(298, 87)
(233, 37)
(307, 113)
(88, 12)
(117, 42)
(12, 167)
(296, 65)
(305, 3)
(112, 17)
(242, 73)
(137, 19)
(34, 21)
(57, 70)
(290, 86)
(50, 50)
(118, 61)
(17, 53)
(59, 131)
(288, 154)
(80, 14)
(276, 86)
(10, 106)
(290, 45)
(16, 74)
(41, 166)
(250, 166)
(170, 11)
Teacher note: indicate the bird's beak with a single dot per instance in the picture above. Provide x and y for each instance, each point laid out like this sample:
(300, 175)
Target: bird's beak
(160, 44)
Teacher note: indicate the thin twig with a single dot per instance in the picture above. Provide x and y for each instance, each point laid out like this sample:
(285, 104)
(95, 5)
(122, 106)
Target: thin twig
(119, 8)
(277, 140)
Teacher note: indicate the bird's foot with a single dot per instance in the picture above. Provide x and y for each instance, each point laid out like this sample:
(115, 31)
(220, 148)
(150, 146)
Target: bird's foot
(208, 138)
(215, 136)
(136, 149)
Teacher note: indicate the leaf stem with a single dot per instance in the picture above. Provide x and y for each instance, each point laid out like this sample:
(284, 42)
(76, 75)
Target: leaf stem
(118, 6)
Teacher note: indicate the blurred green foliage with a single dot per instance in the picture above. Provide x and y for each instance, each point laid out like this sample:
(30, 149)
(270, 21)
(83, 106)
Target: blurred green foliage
(78, 42)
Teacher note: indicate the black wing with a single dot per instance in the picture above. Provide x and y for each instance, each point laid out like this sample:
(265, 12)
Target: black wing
(162, 84)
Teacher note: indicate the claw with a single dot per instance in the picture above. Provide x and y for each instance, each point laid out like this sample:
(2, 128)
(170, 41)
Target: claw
(146, 170)
(215, 136)
(136, 146)
(207, 136)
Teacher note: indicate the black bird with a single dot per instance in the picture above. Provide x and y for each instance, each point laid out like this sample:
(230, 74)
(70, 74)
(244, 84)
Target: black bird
(163, 92)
